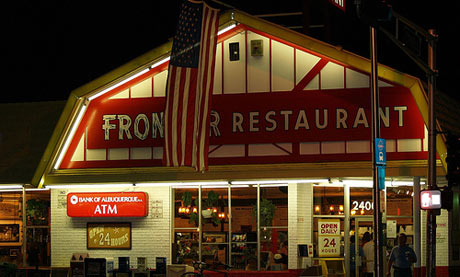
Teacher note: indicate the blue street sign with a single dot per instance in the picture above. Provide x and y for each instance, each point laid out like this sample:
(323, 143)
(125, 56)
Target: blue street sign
(380, 151)
(381, 175)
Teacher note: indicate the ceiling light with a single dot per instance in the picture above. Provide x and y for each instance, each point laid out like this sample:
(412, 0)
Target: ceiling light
(88, 186)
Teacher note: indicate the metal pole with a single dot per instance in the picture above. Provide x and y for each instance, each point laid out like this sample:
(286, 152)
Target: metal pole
(200, 230)
(258, 227)
(24, 228)
(346, 229)
(229, 250)
(378, 261)
(416, 220)
(431, 214)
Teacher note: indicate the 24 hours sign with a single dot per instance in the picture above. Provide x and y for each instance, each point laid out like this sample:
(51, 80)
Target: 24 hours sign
(329, 237)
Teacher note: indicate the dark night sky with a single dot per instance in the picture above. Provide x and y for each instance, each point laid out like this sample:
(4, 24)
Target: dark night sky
(52, 47)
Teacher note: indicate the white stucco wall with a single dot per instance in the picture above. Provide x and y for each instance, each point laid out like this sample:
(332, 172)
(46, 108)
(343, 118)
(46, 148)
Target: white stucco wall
(442, 241)
(151, 236)
(300, 219)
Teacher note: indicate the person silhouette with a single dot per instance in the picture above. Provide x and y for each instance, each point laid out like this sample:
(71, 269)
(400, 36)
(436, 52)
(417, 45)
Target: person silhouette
(401, 258)
(368, 249)
(353, 259)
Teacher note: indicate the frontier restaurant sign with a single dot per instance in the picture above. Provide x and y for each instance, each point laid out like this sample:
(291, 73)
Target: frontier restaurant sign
(107, 204)
(250, 118)
(295, 117)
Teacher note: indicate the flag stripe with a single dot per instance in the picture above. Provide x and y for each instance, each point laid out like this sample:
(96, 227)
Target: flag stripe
(175, 110)
(168, 111)
(184, 117)
(208, 57)
(189, 88)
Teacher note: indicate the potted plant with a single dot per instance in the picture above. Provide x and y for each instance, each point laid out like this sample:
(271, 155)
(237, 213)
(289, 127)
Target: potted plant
(187, 199)
(208, 212)
(37, 211)
(267, 212)
(208, 253)
(187, 252)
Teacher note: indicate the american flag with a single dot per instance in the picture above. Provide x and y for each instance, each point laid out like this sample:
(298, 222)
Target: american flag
(190, 85)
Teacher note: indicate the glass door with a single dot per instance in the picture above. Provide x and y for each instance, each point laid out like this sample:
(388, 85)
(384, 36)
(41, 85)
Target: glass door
(214, 224)
(363, 233)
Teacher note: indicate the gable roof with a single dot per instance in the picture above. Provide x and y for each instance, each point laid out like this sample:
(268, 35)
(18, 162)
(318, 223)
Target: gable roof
(82, 95)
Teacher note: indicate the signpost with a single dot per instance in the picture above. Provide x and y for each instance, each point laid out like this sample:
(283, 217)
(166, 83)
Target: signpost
(378, 158)
(372, 13)
(381, 160)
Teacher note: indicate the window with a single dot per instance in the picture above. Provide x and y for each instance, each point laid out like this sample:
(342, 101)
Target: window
(274, 227)
(328, 200)
(229, 226)
(214, 222)
(11, 235)
(186, 242)
(399, 214)
(361, 201)
(328, 221)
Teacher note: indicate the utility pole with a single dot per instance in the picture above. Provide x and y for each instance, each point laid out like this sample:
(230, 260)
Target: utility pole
(378, 232)
(430, 69)
(432, 132)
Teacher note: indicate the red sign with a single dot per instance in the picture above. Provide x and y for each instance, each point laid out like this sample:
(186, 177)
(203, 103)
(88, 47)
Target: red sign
(107, 204)
(262, 118)
(338, 3)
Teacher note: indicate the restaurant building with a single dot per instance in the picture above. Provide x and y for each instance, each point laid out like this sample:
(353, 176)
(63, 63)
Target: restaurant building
(289, 161)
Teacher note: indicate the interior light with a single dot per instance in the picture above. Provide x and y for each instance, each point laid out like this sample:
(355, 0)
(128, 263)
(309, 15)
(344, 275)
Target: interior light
(317, 208)
(353, 212)
(92, 97)
(341, 208)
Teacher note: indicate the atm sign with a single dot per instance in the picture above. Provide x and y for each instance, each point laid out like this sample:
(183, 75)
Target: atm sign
(107, 204)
